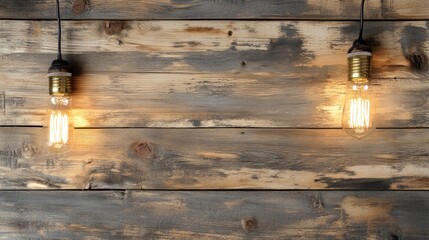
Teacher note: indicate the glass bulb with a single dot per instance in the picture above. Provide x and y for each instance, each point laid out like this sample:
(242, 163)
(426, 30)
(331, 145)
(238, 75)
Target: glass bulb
(58, 127)
(358, 111)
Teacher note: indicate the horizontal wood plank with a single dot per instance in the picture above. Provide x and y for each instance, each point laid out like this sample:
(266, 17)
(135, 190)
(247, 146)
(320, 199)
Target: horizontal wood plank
(275, 74)
(217, 159)
(214, 215)
(208, 9)
(306, 43)
(210, 100)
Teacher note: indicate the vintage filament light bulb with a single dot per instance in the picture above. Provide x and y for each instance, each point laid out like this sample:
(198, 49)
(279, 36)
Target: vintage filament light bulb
(58, 121)
(58, 125)
(359, 107)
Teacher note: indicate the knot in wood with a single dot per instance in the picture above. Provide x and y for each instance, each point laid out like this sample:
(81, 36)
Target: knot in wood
(249, 224)
(394, 237)
(114, 27)
(122, 195)
(142, 149)
(79, 6)
(317, 202)
(418, 61)
(27, 150)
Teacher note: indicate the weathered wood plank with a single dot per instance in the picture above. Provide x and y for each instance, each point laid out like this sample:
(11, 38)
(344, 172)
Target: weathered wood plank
(210, 100)
(282, 67)
(217, 159)
(208, 9)
(214, 215)
(306, 43)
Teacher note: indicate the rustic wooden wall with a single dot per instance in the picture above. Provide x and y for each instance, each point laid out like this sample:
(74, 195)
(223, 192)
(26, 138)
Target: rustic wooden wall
(214, 119)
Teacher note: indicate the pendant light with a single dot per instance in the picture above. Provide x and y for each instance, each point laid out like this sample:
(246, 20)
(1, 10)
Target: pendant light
(58, 125)
(359, 107)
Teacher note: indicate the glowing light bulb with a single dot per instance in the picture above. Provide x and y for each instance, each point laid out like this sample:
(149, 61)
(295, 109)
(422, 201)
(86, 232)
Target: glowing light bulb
(358, 111)
(58, 121)
(359, 106)
(59, 125)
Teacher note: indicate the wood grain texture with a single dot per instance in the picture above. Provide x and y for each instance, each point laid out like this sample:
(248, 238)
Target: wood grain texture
(210, 100)
(267, 74)
(219, 9)
(234, 72)
(217, 159)
(310, 43)
(214, 215)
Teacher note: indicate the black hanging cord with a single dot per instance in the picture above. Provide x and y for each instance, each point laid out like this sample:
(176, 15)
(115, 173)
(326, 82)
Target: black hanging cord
(361, 19)
(59, 65)
(59, 56)
(360, 44)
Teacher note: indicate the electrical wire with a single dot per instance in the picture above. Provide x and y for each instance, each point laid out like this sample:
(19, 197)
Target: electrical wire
(361, 19)
(59, 55)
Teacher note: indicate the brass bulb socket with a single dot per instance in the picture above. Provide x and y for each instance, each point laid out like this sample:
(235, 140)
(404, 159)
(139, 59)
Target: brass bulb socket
(359, 66)
(60, 83)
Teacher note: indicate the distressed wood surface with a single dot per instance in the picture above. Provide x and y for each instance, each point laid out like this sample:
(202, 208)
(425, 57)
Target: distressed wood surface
(210, 100)
(217, 159)
(306, 43)
(209, 9)
(202, 77)
(214, 215)
(267, 73)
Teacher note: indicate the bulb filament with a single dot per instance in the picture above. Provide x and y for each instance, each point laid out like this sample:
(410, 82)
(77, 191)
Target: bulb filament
(59, 129)
(359, 114)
